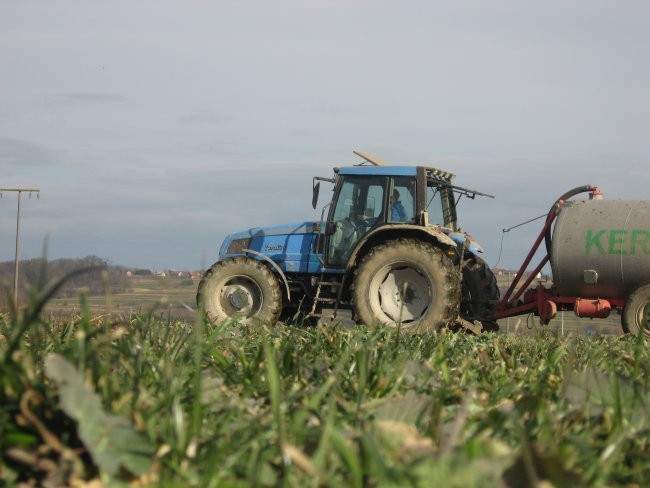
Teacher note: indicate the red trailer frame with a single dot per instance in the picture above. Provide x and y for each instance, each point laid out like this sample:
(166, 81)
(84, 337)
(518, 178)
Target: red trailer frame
(546, 302)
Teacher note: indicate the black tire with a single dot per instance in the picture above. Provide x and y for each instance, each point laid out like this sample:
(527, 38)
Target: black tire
(636, 312)
(241, 288)
(415, 269)
(479, 293)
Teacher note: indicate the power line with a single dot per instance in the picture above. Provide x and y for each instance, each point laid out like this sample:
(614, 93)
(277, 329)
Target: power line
(20, 191)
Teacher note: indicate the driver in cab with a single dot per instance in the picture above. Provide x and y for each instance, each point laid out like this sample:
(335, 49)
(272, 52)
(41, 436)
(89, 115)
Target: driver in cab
(398, 212)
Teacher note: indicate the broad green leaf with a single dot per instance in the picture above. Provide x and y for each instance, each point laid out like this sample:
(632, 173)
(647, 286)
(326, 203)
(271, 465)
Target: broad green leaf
(597, 391)
(111, 440)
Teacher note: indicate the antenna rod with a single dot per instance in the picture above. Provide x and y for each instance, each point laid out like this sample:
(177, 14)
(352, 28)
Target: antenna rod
(19, 191)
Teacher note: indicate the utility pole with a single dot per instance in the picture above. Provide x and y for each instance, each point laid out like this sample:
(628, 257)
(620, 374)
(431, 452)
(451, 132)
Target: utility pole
(19, 191)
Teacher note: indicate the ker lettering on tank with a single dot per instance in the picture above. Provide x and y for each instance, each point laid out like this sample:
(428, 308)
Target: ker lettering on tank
(618, 241)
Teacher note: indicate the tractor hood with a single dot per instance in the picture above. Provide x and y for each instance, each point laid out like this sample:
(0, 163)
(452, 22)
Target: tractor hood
(289, 246)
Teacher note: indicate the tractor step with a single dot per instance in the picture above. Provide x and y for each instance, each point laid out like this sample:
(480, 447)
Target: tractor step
(325, 300)
(318, 299)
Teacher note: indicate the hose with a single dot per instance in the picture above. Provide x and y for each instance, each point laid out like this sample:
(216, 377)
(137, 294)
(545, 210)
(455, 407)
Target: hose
(564, 197)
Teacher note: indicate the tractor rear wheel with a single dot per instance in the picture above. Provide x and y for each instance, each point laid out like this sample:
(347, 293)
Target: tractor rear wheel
(636, 312)
(406, 282)
(241, 288)
(480, 293)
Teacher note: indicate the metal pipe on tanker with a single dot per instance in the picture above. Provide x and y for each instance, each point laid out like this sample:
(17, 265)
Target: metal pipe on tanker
(571, 193)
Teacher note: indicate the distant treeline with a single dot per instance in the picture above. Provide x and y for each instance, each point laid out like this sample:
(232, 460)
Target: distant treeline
(35, 273)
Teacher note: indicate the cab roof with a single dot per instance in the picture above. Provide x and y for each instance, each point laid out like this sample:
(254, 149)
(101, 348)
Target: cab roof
(430, 172)
(377, 170)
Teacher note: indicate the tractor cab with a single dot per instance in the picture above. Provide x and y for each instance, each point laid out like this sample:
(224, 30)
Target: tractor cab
(371, 198)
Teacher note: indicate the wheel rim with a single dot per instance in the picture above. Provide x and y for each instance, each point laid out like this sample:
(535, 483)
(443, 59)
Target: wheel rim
(643, 318)
(240, 296)
(402, 292)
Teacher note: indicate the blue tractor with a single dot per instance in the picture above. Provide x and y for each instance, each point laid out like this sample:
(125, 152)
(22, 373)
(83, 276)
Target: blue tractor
(388, 252)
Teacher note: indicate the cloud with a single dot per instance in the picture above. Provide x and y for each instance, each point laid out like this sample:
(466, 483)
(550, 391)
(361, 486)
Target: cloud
(94, 97)
(16, 155)
(204, 117)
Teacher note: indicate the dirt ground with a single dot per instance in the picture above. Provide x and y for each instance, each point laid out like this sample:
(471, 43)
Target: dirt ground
(163, 296)
(175, 298)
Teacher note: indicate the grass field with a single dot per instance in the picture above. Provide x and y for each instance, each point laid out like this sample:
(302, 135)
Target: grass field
(156, 401)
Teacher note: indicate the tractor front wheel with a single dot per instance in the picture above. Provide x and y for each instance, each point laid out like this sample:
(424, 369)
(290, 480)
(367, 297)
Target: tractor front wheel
(636, 312)
(406, 282)
(241, 288)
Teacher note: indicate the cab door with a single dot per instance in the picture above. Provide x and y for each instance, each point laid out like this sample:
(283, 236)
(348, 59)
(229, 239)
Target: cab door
(358, 207)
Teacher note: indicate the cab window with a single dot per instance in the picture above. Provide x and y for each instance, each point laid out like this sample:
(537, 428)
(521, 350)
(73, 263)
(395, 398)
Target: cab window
(358, 209)
(402, 201)
(434, 206)
(441, 205)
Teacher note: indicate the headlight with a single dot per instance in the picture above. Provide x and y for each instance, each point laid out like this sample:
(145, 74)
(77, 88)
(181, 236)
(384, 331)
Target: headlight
(238, 245)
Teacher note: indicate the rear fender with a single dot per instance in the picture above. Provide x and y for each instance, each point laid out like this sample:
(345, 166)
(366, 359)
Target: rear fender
(462, 239)
(432, 234)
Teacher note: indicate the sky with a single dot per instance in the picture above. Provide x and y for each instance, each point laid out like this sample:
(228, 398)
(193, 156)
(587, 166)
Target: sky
(154, 128)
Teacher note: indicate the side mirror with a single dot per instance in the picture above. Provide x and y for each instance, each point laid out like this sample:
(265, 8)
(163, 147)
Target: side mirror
(314, 198)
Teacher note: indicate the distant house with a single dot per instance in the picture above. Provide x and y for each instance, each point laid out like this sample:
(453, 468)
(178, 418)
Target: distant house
(172, 273)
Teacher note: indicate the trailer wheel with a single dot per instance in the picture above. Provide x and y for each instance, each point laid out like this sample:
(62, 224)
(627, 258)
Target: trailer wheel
(479, 292)
(636, 312)
(406, 282)
(242, 288)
